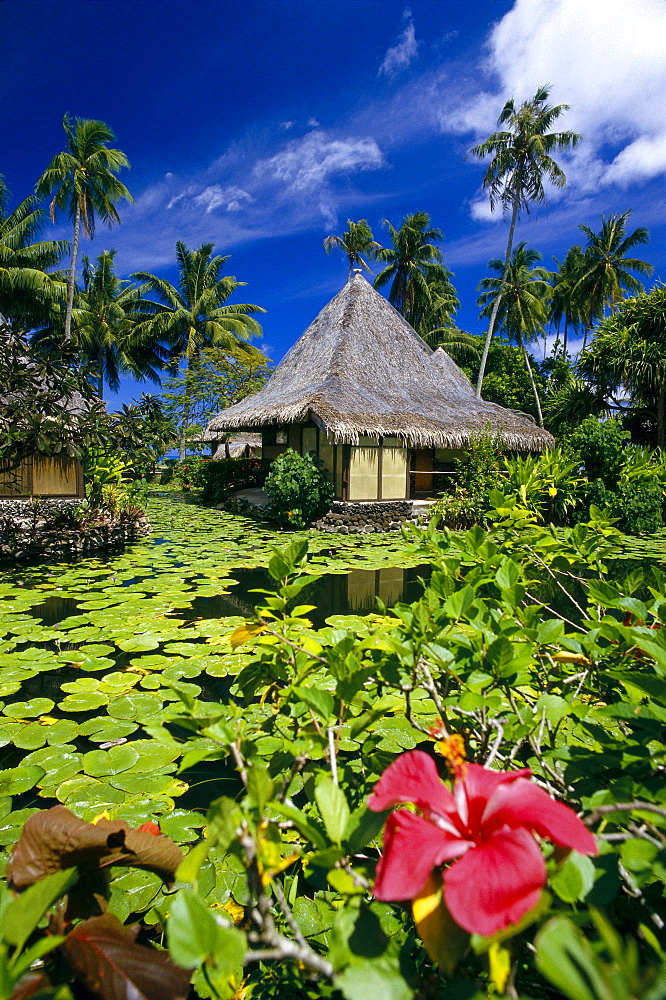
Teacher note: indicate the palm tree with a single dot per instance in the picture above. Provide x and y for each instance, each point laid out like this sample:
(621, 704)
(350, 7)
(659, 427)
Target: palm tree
(84, 184)
(604, 276)
(27, 293)
(196, 314)
(106, 329)
(521, 158)
(566, 303)
(523, 308)
(356, 241)
(418, 277)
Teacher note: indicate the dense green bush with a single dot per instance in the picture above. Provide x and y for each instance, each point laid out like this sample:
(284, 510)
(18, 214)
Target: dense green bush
(601, 447)
(190, 473)
(222, 477)
(479, 472)
(299, 488)
(637, 507)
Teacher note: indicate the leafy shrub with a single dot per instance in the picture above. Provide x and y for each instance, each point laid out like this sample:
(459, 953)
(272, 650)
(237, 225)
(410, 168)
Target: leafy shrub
(299, 488)
(601, 447)
(637, 506)
(101, 468)
(189, 474)
(547, 484)
(479, 472)
(224, 476)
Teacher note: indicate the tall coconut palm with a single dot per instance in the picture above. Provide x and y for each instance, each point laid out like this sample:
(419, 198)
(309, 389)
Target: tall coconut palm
(27, 293)
(196, 314)
(605, 276)
(83, 182)
(355, 242)
(521, 159)
(566, 302)
(523, 308)
(416, 272)
(106, 329)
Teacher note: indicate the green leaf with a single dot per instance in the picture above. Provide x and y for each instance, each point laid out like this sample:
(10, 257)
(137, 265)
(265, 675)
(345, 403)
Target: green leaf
(191, 930)
(566, 959)
(333, 808)
(259, 786)
(24, 913)
(319, 701)
(574, 879)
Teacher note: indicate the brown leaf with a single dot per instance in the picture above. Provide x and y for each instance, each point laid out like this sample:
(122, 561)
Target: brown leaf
(55, 838)
(106, 957)
(31, 983)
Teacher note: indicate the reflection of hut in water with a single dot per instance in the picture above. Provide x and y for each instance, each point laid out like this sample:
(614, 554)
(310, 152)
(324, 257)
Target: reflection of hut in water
(357, 591)
(384, 412)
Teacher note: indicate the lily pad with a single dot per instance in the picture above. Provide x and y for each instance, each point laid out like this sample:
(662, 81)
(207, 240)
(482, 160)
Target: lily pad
(101, 763)
(16, 780)
(28, 709)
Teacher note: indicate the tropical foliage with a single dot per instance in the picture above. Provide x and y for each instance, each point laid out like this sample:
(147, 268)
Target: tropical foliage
(299, 488)
(420, 283)
(28, 295)
(197, 314)
(518, 654)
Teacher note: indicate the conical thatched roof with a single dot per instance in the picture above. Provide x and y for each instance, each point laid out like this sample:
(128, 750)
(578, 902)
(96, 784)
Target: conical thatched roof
(360, 369)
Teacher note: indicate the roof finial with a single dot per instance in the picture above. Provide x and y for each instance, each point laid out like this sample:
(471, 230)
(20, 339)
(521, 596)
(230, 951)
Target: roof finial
(357, 270)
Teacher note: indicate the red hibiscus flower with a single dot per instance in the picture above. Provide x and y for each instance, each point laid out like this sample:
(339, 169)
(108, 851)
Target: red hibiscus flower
(487, 822)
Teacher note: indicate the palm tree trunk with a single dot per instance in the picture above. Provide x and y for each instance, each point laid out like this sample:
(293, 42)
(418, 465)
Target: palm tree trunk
(496, 304)
(661, 431)
(566, 335)
(72, 273)
(182, 448)
(100, 376)
(532, 382)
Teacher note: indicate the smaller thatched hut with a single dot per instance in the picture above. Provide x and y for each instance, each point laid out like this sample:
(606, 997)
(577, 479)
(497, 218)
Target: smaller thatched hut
(383, 411)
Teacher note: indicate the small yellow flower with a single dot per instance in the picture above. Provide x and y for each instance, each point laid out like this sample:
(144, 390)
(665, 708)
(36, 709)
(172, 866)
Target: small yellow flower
(552, 492)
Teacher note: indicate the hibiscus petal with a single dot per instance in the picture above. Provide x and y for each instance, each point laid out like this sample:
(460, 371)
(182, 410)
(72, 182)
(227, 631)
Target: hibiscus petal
(412, 848)
(523, 804)
(475, 786)
(412, 777)
(495, 884)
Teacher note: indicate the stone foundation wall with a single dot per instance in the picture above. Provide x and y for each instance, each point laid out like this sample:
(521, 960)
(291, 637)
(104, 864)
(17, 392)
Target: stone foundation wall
(27, 531)
(347, 518)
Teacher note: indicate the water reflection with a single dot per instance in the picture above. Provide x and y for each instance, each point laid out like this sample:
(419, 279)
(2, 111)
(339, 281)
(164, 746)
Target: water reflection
(355, 592)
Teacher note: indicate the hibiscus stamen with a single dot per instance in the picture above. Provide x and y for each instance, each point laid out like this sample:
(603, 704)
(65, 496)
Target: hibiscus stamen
(452, 750)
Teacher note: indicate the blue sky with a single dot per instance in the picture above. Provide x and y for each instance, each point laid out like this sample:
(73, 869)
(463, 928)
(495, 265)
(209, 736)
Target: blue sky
(263, 125)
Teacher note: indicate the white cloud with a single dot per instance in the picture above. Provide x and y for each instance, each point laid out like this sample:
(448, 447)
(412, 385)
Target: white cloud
(605, 58)
(309, 162)
(401, 55)
(232, 198)
(640, 160)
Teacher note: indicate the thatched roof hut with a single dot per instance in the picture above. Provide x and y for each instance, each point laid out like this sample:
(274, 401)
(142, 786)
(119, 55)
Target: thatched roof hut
(360, 370)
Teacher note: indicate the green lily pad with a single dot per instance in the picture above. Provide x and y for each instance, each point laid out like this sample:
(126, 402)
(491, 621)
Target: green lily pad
(105, 730)
(139, 643)
(101, 763)
(16, 780)
(28, 709)
(138, 706)
(12, 824)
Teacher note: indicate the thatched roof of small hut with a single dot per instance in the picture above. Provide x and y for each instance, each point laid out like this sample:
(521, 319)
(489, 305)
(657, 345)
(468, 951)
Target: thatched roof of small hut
(360, 369)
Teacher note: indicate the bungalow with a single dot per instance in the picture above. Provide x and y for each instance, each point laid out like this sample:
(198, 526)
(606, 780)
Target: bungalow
(384, 412)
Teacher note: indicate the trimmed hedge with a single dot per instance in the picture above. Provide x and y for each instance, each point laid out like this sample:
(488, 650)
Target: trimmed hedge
(220, 478)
